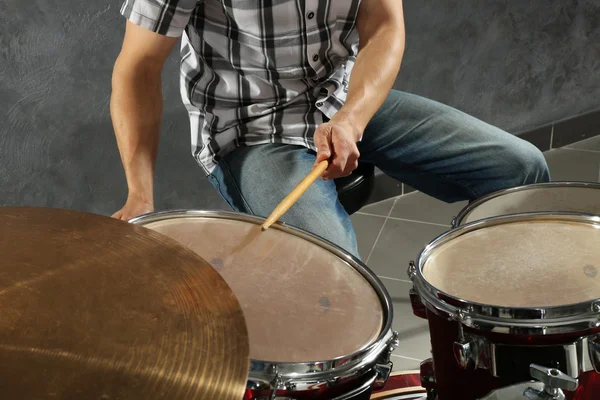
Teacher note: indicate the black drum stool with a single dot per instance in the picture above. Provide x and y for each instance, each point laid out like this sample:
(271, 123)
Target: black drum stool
(354, 190)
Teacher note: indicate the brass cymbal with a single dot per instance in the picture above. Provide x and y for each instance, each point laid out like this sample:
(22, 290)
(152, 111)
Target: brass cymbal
(96, 308)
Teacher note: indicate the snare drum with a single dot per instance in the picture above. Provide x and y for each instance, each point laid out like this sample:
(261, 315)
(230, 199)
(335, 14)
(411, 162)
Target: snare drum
(576, 197)
(319, 322)
(506, 292)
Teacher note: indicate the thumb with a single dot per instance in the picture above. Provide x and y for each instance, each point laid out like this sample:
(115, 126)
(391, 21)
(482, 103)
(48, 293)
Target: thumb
(322, 142)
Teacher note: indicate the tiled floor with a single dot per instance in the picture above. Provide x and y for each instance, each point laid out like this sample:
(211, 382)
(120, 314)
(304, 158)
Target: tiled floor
(393, 232)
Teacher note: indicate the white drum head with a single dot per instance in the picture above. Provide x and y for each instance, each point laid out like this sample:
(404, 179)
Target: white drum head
(542, 263)
(579, 198)
(301, 302)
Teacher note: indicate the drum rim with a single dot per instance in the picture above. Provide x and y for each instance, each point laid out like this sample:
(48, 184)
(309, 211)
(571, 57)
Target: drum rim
(515, 320)
(266, 371)
(468, 209)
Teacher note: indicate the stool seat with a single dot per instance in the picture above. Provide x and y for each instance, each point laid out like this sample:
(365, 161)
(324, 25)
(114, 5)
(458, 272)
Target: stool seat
(354, 190)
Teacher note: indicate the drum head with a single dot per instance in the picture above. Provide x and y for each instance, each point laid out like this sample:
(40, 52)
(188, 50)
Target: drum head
(536, 263)
(546, 197)
(302, 303)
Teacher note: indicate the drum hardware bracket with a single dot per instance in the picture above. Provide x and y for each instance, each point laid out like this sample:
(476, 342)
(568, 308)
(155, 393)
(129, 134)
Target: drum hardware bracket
(469, 352)
(412, 270)
(277, 383)
(554, 381)
(596, 307)
(547, 384)
(383, 368)
(476, 352)
(594, 351)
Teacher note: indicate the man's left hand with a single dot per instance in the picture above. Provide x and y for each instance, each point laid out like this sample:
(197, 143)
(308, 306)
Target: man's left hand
(336, 141)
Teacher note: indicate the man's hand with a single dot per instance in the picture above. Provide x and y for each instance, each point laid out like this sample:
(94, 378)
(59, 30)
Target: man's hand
(134, 207)
(336, 141)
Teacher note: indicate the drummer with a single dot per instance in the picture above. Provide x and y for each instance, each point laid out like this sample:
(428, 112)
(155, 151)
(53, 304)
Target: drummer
(274, 87)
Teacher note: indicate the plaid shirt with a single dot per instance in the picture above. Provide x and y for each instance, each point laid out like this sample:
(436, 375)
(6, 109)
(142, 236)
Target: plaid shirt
(256, 71)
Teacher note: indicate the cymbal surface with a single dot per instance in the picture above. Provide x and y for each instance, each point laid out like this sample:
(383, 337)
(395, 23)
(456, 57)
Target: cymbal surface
(96, 308)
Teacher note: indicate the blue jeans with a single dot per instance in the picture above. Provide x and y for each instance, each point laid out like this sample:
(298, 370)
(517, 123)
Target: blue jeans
(432, 147)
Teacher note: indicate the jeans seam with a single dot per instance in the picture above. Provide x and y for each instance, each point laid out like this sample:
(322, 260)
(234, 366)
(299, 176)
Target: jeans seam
(235, 184)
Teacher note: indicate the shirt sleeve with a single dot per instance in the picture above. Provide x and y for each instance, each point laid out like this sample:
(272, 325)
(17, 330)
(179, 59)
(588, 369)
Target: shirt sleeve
(165, 17)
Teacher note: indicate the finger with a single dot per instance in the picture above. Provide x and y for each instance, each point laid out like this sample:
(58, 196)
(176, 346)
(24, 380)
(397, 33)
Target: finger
(117, 215)
(322, 142)
(352, 162)
(341, 151)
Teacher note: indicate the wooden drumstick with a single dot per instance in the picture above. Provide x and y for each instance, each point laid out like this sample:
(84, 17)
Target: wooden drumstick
(295, 194)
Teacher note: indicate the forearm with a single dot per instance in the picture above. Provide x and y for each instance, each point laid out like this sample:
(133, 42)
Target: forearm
(136, 111)
(373, 75)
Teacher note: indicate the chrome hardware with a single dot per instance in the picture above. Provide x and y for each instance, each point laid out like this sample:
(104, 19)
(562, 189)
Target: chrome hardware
(276, 383)
(394, 341)
(473, 351)
(550, 385)
(596, 307)
(383, 368)
(466, 350)
(465, 354)
(594, 352)
(382, 374)
(554, 381)
(412, 270)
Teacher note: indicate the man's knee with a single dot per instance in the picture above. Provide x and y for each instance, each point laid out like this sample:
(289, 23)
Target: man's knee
(527, 164)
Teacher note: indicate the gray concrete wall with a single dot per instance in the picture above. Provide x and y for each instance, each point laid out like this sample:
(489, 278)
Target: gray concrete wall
(516, 64)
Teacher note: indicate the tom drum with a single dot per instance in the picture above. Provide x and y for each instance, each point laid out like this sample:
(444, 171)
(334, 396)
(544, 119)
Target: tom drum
(319, 322)
(507, 292)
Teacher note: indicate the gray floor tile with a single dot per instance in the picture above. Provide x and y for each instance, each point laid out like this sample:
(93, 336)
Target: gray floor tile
(367, 228)
(405, 364)
(381, 208)
(589, 144)
(399, 243)
(413, 331)
(573, 165)
(421, 207)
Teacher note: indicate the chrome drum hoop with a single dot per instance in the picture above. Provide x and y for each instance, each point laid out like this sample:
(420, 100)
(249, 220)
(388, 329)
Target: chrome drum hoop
(266, 374)
(464, 213)
(510, 320)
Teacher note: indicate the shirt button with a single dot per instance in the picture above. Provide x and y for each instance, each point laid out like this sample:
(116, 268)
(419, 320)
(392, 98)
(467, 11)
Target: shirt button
(319, 104)
(310, 15)
(316, 58)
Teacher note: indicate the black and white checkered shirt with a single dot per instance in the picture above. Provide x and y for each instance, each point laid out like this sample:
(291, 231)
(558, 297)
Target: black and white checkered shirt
(256, 71)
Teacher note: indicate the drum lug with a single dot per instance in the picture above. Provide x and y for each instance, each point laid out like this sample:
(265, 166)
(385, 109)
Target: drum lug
(412, 270)
(382, 374)
(554, 381)
(419, 309)
(465, 354)
(594, 352)
(384, 366)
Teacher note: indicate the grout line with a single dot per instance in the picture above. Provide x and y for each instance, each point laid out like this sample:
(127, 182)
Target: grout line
(394, 279)
(406, 358)
(552, 137)
(380, 231)
(584, 150)
(370, 215)
(419, 222)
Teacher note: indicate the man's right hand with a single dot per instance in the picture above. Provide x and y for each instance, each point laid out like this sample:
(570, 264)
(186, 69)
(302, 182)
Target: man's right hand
(134, 207)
